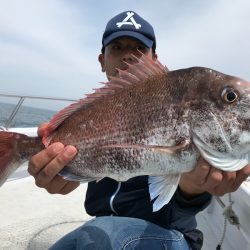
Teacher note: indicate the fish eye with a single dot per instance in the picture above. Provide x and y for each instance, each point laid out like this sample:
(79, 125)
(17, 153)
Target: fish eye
(229, 95)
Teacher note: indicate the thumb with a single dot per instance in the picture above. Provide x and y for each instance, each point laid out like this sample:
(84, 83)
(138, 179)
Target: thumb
(42, 128)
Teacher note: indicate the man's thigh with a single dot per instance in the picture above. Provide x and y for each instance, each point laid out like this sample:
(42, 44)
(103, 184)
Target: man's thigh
(121, 233)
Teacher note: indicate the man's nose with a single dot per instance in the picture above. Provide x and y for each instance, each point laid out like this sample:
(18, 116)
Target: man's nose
(128, 58)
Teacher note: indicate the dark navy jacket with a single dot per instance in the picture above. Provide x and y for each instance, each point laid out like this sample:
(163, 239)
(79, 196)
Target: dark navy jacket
(131, 199)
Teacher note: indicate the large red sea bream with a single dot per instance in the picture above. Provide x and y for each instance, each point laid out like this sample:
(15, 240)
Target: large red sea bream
(147, 121)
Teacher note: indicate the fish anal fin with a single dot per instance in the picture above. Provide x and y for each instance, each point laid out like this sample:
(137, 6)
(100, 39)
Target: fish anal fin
(72, 177)
(162, 189)
(174, 149)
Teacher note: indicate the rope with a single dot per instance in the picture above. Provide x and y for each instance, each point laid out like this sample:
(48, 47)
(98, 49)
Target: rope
(229, 215)
(223, 234)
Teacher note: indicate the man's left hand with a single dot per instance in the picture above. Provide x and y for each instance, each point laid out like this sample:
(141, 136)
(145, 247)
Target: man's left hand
(205, 178)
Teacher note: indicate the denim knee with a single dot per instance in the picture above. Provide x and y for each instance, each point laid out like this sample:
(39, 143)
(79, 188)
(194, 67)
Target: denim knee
(121, 233)
(131, 233)
(173, 241)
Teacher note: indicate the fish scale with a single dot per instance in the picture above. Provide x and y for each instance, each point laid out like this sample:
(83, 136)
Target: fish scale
(147, 121)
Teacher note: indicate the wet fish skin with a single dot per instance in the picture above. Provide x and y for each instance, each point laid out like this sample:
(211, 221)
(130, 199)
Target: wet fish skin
(150, 121)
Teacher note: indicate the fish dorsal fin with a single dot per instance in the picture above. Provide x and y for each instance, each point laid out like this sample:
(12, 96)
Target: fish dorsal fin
(135, 74)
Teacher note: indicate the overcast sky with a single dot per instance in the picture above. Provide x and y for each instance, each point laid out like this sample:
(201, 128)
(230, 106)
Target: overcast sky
(50, 47)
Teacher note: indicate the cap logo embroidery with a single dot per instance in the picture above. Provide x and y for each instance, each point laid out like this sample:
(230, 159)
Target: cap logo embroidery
(131, 22)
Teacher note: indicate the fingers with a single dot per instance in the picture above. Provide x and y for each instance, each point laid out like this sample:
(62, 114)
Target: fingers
(42, 129)
(205, 178)
(202, 171)
(61, 186)
(193, 183)
(40, 160)
(213, 179)
(219, 182)
(69, 187)
(243, 174)
(50, 170)
(45, 166)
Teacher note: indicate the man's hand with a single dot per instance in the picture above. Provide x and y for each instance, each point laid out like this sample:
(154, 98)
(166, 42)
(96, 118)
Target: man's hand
(205, 178)
(45, 165)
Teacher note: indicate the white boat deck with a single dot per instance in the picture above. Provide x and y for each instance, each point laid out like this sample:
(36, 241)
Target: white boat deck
(33, 219)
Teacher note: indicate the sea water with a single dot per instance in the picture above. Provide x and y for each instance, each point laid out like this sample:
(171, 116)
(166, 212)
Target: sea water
(26, 116)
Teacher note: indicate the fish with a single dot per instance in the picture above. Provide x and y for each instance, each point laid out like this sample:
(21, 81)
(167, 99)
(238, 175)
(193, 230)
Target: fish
(147, 120)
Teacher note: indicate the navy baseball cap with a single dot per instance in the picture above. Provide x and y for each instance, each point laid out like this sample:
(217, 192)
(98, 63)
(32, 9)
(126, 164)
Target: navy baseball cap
(129, 24)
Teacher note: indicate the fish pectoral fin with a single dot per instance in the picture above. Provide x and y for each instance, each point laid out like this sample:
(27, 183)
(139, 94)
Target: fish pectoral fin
(172, 149)
(72, 177)
(158, 148)
(162, 188)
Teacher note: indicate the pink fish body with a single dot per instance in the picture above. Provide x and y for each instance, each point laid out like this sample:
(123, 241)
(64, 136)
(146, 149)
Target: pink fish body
(147, 121)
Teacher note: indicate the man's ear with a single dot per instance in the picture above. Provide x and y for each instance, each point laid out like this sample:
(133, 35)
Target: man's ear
(101, 61)
(155, 56)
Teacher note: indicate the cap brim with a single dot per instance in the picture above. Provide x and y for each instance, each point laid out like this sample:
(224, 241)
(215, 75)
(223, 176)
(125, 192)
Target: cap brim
(145, 40)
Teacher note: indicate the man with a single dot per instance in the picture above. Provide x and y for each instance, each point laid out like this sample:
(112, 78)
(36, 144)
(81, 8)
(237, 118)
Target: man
(124, 217)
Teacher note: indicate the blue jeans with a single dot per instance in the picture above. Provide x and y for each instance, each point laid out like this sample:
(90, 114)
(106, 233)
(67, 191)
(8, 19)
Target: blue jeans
(121, 233)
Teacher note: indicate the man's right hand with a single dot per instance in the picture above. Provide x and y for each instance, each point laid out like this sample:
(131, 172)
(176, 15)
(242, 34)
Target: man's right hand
(45, 165)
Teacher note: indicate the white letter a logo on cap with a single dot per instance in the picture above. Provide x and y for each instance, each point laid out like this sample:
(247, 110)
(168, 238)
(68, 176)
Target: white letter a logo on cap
(131, 22)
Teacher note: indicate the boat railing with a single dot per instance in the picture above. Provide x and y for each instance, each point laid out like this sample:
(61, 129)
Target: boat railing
(20, 100)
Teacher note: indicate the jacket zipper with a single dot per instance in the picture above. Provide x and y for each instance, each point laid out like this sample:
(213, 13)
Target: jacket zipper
(113, 197)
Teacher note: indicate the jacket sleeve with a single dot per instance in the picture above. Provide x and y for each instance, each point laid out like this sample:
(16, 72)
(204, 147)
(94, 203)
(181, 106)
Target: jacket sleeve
(184, 210)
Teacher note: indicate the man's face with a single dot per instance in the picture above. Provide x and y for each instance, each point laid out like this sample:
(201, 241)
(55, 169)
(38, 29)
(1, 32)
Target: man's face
(119, 51)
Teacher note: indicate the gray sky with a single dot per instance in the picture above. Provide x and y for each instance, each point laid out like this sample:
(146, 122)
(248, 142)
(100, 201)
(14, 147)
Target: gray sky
(50, 47)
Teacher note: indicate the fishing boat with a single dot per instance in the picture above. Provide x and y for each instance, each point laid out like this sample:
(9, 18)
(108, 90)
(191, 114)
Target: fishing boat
(33, 219)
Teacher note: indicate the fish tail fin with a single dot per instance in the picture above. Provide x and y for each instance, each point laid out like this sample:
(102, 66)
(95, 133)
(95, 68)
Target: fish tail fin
(14, 150)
